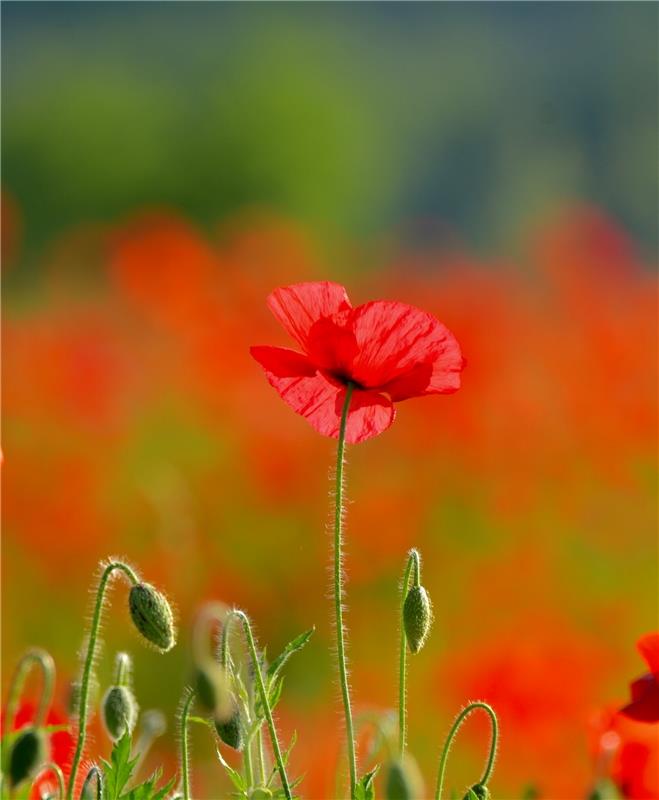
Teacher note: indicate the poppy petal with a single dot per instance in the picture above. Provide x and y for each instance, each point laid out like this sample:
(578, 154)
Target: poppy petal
(645, 700)
(648, 647)
(319, 399)
(298, 307)
(396, 340)
(282, 362)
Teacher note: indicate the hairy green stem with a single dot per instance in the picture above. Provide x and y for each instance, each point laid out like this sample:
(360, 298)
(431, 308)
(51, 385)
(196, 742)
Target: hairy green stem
(94, 774)
(265, 702)
(89, 663)
(338, 593)
(188, 699)
(413, 563)
(51, 766)
(462, 716)
(33, 657)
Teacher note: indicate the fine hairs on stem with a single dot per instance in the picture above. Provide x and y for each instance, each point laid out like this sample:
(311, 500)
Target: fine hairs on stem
(88, 665)
(35, 657)
(93, 776)
(462, 716)
(413, 564)
(265, 701)
(338, 592)
(186, 705)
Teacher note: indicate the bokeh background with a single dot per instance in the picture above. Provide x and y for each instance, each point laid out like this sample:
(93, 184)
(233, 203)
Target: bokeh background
(164, 167)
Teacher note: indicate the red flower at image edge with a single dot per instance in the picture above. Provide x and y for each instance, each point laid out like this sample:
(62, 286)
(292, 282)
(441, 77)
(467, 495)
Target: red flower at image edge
(389, 351)
(644, 706)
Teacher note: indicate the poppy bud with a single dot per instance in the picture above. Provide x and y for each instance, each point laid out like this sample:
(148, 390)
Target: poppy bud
(260, 793)
(417, 616)
(230, 730)
(212, 688)
(404, 781)
(604, 789)
(120, 711)
(477, 792)
(30, 750)
(152, 616)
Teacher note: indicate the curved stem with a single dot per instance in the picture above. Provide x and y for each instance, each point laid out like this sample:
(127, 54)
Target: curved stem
(188, 699)
(462, 716)
(264, 700)
(93, 774)
(224, 654)
(33, 657)
(51, 766)
(338, 592)
(89, 663)
(413, 563)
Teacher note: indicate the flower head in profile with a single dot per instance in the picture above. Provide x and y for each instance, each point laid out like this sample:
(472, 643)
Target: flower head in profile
(388, 351)
(644, 706)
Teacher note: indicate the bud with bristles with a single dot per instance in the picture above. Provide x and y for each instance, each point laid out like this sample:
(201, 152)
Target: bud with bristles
(403, 781)
(152, 616)
(120, 711)
(477, 792)
(28, 753)
(230, 730)
(417, 616)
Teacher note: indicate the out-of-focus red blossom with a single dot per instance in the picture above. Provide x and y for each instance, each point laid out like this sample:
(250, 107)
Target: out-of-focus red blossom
(389, 351)
(543, 678)
(644, 706)
(61, 743)
(627, 752)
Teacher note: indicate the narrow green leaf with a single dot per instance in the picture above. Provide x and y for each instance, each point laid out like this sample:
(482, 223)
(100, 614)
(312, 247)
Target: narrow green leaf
(292, 647)
(235, 777)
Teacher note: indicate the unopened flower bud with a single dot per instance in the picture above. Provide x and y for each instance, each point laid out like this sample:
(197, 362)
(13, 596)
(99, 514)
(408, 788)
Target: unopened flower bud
(477, 792)
(152, 616)
(604, 789)
(29, 751)
(230, 730)
(403, 780)
(417, 616)
(213, 690)
(260, 793)
(120, 711)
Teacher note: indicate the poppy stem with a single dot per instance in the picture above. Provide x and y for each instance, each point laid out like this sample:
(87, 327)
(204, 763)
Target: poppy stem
(89, 663)
(462, 716)
(265, 701)
(413, 563)
(338, 592)
(33, 657)
(188, 698)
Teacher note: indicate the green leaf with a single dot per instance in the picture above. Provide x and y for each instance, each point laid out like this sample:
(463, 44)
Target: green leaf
(292, 647)
(148, 791)
(120, 768)
(235, 777)
(365, 788)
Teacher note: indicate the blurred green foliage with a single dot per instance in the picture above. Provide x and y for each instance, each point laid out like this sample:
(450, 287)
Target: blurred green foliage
(350, 117)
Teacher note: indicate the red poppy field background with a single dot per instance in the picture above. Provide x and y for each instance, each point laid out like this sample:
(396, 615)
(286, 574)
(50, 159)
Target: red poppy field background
(137, 261)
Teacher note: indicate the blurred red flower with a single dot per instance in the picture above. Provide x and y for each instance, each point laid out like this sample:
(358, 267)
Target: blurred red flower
(390, 351)
(644, 706)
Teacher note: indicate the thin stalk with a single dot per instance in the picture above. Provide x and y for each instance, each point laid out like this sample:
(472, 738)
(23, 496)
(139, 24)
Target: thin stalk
(489, 764)
(89, 663)
(265, 702)
(247, 764)
(338, 592)
(188, 699)
(94, 774)
(51, 766)
(413, 563)
(122, 670)
(33, 657)
(260, 755)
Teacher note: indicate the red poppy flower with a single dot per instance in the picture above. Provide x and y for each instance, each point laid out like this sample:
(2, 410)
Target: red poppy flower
(389, 351)
(644, 706)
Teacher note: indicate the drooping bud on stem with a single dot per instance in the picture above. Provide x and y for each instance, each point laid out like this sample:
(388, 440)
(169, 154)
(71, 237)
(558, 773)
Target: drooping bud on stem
(230, 730)
(28, 753)
(417, 617)
(93, 778)
(477, 792)
(152, 616)
(35, 657)
(403, 779)
(213, 689)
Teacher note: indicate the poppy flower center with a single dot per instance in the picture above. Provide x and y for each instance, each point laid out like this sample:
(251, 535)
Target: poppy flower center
(345, 378)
